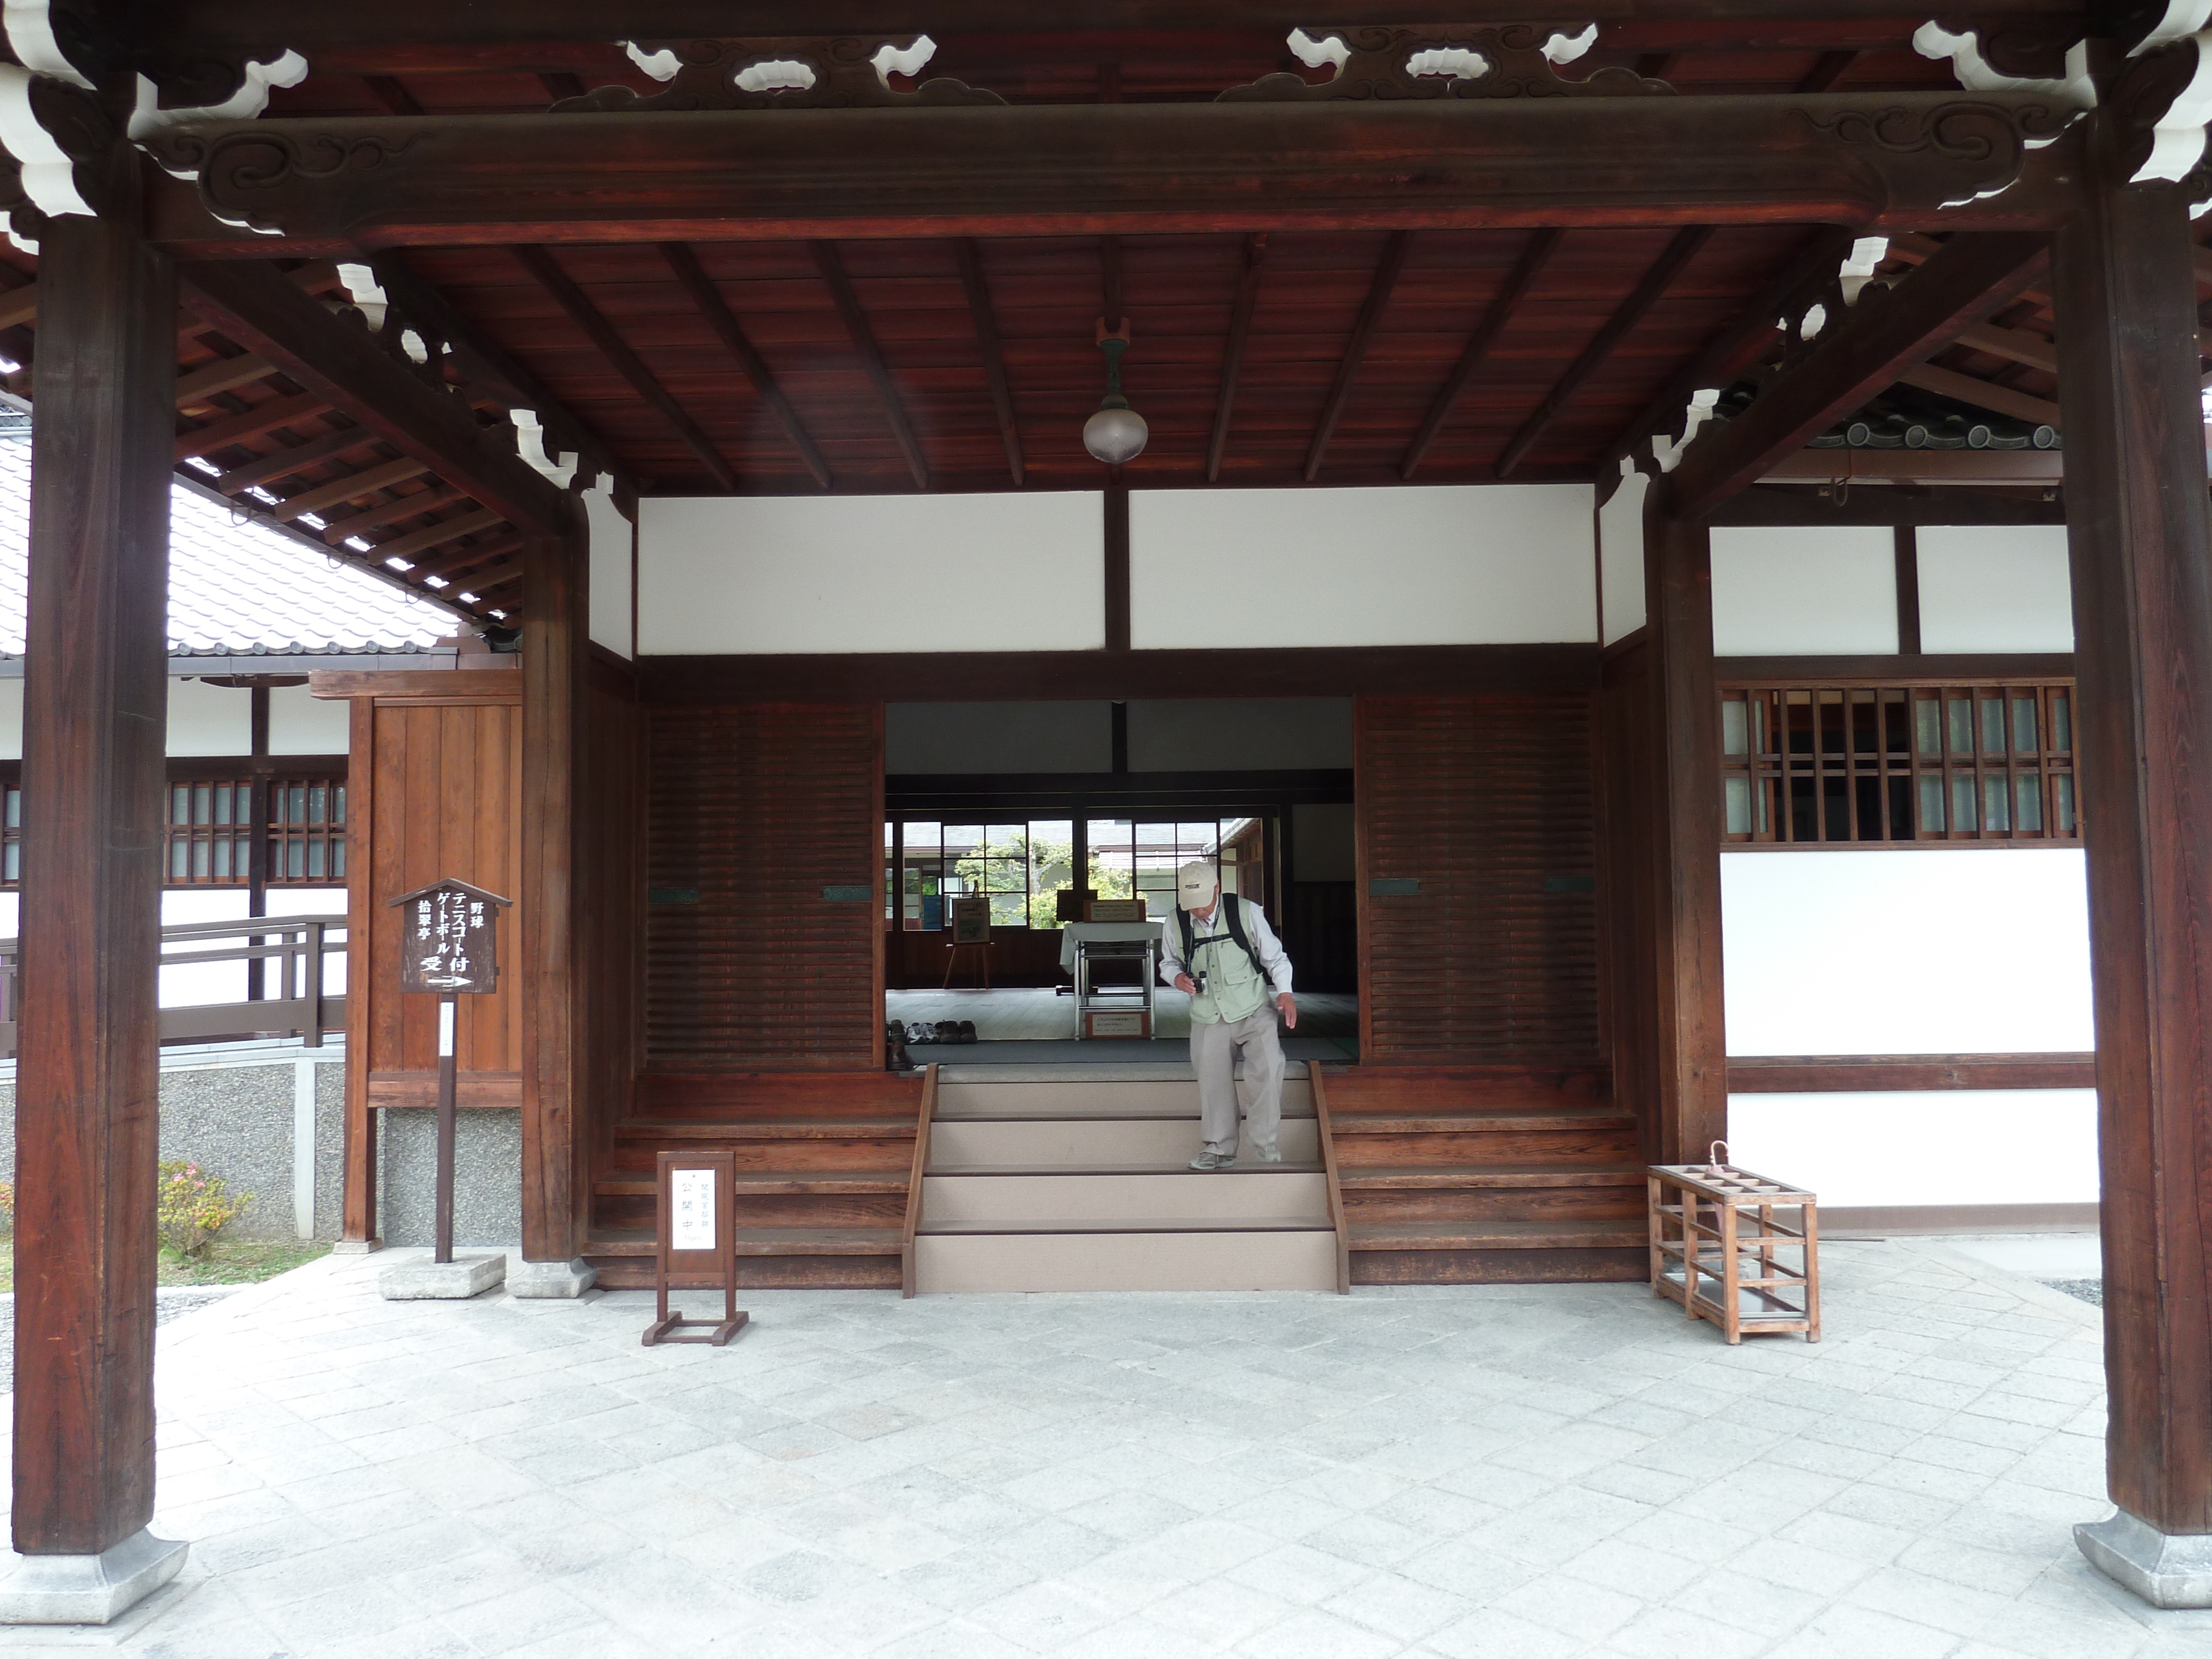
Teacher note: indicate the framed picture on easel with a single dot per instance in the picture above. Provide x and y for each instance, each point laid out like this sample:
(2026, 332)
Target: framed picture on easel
(971, 920)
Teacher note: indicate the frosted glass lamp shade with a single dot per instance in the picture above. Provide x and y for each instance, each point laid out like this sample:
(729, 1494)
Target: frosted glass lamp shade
(1115, 435)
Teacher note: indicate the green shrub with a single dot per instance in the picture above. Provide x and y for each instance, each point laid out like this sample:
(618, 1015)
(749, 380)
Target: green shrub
(192, 1207)
(7, 1207)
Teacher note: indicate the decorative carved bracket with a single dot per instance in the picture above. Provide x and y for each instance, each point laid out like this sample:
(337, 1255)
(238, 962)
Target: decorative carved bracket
(831, 73)
(2161, 102)
(1516, 60)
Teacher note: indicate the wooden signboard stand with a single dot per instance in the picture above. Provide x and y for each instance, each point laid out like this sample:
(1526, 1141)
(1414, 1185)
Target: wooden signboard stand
(697, 1244)
(449, 948)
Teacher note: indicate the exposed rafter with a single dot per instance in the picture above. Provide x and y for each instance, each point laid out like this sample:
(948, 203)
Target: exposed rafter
(257, 422)
(724, 321)
(1683, 248)
(1534, 257)
(1232, 356)
(569, 295)
(987, 343)
(1395, 254)
(826, 261)
(352, 487)
(342, 366)
(282, 464)
(1856, 356)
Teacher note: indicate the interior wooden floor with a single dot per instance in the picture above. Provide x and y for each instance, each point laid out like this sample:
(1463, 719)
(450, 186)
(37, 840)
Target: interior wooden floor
(1043, 1015)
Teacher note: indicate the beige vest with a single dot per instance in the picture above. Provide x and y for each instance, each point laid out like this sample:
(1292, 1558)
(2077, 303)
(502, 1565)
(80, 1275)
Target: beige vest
(1235, 990)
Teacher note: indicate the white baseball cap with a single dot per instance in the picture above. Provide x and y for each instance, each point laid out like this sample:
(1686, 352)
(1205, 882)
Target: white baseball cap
(1196, 884)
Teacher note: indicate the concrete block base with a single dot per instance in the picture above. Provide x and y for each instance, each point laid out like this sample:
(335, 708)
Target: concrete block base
(551, 1278)
(425, 1280)
(87, 1590)
(356, 1246)
(2166, 1569)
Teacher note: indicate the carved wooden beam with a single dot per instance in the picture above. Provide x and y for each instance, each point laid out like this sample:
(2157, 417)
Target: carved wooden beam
(1869, 159)
(182, 29)
(716, 310)
(1679, 252)
(341, 366)
(1855, 356)
(1395, 254)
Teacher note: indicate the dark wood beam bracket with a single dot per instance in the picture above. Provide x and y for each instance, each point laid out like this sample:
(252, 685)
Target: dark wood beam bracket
(693, 277)
(986, 344)
(569, 295)
(1395, 254)
(1232, 356)
(832, 267)
(1542, 245)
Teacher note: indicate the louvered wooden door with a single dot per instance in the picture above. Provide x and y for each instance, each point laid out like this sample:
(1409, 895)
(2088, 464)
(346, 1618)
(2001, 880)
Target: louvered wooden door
(1478, 914)
(765, 901)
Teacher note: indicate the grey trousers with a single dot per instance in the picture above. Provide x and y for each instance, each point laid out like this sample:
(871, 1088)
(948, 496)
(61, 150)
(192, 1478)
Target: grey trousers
(1214, 1045)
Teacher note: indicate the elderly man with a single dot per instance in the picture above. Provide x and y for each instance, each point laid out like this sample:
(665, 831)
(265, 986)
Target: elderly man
(1222, 951)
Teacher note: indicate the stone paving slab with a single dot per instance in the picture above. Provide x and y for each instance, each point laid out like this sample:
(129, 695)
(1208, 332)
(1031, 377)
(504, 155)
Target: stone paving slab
(1423, 1472)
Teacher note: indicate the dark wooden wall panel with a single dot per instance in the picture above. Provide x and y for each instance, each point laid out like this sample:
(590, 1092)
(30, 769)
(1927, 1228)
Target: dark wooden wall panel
(611, 916)
(1485, 802)
(756, 808)
(1628, 806)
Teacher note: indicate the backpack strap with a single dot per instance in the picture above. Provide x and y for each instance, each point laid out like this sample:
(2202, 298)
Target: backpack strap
(1233, 913)
(1183, 923)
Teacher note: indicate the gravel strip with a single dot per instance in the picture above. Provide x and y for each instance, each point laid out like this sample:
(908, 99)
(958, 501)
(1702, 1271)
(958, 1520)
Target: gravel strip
(2087, 1290)
(169, 1303)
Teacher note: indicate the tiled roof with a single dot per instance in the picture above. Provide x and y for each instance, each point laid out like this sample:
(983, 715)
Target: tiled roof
(235, 589)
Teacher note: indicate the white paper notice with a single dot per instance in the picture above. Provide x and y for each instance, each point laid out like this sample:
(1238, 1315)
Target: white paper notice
(693, 1228)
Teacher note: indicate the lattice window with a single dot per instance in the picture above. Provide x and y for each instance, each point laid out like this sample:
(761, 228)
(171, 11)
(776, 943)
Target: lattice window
(307, 831)
(209, 832)
(1806, 765)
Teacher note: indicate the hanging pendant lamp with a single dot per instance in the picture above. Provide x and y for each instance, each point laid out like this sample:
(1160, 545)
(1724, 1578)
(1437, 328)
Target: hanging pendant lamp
(1116, 433)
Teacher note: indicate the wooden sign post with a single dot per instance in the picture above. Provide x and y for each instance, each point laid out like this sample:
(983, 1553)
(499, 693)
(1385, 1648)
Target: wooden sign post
(449, 948)
(697, 1244)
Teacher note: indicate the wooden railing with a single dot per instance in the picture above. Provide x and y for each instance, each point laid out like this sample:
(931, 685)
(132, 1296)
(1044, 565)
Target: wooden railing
(298, 948)
(914, 1182)
(1327, 1132)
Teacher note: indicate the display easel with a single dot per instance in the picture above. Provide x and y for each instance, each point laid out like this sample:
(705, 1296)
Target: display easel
(696, 1242)
(952, 955)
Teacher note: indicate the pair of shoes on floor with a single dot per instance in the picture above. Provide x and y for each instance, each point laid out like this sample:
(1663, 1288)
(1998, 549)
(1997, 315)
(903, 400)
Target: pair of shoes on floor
(943, 1031)
(895, 1058)
(1214, 1161)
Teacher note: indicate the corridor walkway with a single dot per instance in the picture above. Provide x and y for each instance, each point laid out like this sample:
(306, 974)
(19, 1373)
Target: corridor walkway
(1435, 1473)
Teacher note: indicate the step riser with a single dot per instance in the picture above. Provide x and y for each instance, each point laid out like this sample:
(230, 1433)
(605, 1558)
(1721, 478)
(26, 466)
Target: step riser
(1478, 1150)
(1090, 1098)
(770, 1210)
(1077, 1142)
(1535, 1267)
(1543, 1204)
(1128, 1261)
(1228, 1195)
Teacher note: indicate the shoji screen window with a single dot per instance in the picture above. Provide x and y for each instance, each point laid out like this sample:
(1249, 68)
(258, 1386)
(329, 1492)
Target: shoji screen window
(1810, 765)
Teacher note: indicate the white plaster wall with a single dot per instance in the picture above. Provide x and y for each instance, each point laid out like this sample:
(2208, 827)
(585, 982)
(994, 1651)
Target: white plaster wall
(871, 573)
(1958, 952)
(1825, 591)
(1231, 734)
(1620, 556)
(1995, 588)
(209, 720)
(610, 610)
(303, 724)
(11, 719)
(1447, 565)
(202, 982)
(998, 737)
(1930, 1147)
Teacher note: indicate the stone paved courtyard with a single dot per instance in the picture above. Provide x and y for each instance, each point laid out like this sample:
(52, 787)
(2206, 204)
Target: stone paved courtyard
(1526, 1472)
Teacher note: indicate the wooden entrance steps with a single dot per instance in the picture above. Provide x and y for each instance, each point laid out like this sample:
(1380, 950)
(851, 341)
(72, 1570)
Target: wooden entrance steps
(825, 1162)
(1484, 1175)
(1074, 1178)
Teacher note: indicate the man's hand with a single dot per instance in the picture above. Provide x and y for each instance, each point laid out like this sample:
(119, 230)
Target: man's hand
(1289, 1010)
(1186, 984)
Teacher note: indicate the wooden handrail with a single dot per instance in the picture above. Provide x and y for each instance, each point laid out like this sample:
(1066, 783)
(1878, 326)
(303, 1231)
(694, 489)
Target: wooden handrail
(914, 1181)
(1328, 1164)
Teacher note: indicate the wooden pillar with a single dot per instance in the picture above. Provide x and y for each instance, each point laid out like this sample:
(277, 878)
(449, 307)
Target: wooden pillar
(93, 734)
(556, 1029)
(2137, 527)
(1659, 760)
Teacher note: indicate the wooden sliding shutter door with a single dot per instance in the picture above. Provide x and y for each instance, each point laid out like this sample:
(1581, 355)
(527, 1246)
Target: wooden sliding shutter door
(1477, 924)
(764, 933)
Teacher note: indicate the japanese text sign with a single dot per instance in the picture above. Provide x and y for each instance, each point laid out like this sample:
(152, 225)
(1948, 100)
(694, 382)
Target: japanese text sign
(448, 939)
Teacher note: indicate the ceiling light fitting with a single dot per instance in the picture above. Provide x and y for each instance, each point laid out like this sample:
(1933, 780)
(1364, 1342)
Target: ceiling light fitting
(1116, 434)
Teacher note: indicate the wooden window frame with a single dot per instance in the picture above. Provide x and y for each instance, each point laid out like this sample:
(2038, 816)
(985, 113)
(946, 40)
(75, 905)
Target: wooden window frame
(1761, 773)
